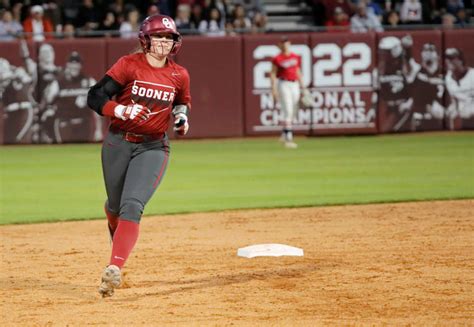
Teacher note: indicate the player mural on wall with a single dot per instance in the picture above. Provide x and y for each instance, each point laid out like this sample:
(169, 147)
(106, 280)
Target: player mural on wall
(67, 118)
(34, 94)
(428, 90)
(17, 86)
(44, 103)
(396, 70)
(460, 90)
(46, 90)
(411, 93)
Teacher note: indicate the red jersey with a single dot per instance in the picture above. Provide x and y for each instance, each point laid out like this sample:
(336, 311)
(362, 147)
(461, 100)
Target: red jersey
(287, 66)
(158, 89)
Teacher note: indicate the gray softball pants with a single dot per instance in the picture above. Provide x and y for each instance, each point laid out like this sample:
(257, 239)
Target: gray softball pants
(132, 173)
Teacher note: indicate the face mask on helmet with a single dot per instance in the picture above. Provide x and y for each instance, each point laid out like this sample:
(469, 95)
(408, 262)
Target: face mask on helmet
(159, 25)
(161, 44)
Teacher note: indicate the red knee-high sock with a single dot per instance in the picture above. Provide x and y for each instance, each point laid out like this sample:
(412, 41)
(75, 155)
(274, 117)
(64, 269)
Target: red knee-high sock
(125, 238)
(111, 218)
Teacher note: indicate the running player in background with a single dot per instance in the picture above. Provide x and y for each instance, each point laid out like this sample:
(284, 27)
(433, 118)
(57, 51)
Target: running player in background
(287, 84)
(148, 88)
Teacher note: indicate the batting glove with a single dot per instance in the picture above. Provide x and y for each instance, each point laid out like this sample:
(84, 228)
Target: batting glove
(131, 112)
(181, 125)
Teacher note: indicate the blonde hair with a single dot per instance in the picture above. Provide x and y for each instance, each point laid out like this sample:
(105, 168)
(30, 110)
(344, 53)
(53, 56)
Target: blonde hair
(137, 49)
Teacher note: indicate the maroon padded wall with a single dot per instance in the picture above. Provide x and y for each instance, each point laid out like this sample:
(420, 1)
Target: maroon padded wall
(361, 83)
(117, 48)
(214, 64)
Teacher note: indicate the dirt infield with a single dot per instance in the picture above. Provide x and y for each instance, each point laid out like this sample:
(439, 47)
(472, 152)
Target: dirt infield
(408, 263)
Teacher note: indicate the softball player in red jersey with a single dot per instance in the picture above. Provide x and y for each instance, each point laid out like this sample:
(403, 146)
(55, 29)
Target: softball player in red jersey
(139, 92)
(287, 84)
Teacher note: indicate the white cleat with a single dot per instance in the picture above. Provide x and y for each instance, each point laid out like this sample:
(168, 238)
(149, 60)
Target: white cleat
(291, 145)
(111, 278)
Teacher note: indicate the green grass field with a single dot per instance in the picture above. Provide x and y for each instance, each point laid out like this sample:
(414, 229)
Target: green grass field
(64, 182)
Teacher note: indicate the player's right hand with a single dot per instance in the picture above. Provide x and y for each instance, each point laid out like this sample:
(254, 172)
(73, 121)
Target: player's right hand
(133, 111)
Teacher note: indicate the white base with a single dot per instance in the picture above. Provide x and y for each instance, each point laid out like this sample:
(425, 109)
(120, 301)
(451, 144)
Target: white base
(269, 250)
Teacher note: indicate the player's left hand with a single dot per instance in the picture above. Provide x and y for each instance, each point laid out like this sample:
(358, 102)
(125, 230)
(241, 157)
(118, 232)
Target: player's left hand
(181, 125)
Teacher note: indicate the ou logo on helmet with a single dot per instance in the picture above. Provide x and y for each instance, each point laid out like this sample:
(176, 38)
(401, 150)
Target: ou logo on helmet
(167, 23)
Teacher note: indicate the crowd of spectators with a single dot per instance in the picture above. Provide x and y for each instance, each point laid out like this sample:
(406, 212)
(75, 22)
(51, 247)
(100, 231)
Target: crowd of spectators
(39, 20)
(365, 15)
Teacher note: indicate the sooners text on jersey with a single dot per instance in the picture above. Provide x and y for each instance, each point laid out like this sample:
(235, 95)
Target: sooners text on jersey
(152, 95)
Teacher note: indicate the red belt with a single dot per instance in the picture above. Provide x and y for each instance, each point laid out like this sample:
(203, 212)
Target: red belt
(287, 80)
(136, 138)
